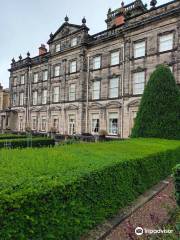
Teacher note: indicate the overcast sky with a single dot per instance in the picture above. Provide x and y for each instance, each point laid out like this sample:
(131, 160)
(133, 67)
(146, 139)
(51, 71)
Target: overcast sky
(24, 24)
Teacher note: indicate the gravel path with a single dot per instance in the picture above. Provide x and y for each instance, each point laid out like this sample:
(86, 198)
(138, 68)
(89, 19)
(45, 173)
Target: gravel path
(150, 216)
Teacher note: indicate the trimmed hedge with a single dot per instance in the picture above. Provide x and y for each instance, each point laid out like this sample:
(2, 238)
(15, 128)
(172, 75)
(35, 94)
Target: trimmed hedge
(63, 192)
(11, 136)
(177, 183)
(24, 142)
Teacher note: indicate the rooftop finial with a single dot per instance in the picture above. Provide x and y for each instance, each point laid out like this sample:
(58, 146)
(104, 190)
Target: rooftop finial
(84, 21)
(66, 19)
(122, 4)
(28, 54)
(20, 57)
(13, 61)
(153, 3)
(51, 35)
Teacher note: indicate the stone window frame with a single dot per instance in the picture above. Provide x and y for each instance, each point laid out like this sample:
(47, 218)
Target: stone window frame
(55, 49)
(107, 121)
(173, 31)
(55, 102)
(119, 85)
(71, 41)
(37, 74)
(14, 83)
(43, 71)
(113, 51)
(145, 39)
(93, 57)
(54, 67)
(42, 97)
(137, 70)
(70, 62)
(22, 92)
(33, 98)
(91, 121)
(91, 88)
(69, 93)
(22, 75)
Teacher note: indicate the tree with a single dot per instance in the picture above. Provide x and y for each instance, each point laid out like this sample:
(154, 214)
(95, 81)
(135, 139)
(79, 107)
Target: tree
(159, 111)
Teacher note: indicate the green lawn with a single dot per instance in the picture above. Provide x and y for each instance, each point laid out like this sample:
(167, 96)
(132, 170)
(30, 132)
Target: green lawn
(62, 192)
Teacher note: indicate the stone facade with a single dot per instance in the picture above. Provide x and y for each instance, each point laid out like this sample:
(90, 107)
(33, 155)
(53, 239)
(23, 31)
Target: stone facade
(4, 108)
(87, 83)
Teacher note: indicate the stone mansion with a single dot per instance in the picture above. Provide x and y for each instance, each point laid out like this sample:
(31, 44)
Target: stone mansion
(86, 83)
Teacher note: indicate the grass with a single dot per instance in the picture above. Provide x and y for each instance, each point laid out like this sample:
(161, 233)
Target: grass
(19, 168)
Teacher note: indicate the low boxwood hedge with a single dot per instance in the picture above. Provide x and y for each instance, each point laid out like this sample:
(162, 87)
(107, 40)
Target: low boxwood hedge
(25, 142)
(177, 183)
(11, 136)
(61, 193)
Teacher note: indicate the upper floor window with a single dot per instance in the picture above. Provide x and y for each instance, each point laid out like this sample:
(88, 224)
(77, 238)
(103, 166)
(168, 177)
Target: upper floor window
(21, 100)
(14, 81)
(72, 92)
(166, 42)
(114, 58)
(44, 96)
(139, 49)
(35, 98)
(35, 79)
(14, 99)
(74, 42)
(57, 47)
(57, 70)
(22, 79)
(73, 66)
(138, 82)
(96, 90)
(56, 94)
(45, 75)
(113, 87)
(97, 62)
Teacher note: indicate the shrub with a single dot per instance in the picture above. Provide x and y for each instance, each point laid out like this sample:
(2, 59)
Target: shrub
(11, 136)
(25, 142)
(177, 183)
(61, 193)
(159, 111)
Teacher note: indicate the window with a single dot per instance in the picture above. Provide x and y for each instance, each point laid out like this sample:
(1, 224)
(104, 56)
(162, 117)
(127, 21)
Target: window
(74, 42)
(96, 90)
(22, 79)
(166, 42)
(71, 128)
(45, 75)
(35, 77)
(14, 99)
(34, 123)
(95, 123)
(56, 94)
(97, 62)
(113, 123)
(35, 95)
(138, 82)
(14, 81)
(73, 67)
(58, 47)
(20, 124)
(139, 49)
(43, 124)
(113, 87)
(21, 100)
(56, 123)
(72, 92)
(57, 70)
(44, 97)
(115, 58)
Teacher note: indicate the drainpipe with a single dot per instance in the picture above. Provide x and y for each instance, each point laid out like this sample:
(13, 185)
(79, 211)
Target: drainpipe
(87, 93)
(122, 89)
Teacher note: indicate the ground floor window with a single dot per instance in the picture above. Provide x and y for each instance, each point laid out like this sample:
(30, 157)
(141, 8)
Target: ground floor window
(34, 123)
(95, 124)
(56, 123)
(113, 123)
(43, 124)
(21, 124)
(71, 127)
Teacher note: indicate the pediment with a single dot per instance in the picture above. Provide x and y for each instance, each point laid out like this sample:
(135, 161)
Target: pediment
(43, 109)
(35, 109)
(134, 103)
(113, 104)
(65, 30)
(55, 108)
(71, 107)
(96, 105)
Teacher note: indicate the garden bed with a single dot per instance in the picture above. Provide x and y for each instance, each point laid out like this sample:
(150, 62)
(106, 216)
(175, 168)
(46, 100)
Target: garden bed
(61, 193)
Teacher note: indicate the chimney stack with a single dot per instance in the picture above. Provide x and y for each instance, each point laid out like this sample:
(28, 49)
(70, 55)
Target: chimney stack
(42, 49)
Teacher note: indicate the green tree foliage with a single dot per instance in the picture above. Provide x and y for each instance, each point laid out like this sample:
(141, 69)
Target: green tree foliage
(159, 111)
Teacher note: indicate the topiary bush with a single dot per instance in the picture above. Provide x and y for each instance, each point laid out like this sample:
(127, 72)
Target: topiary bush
(159, 111)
